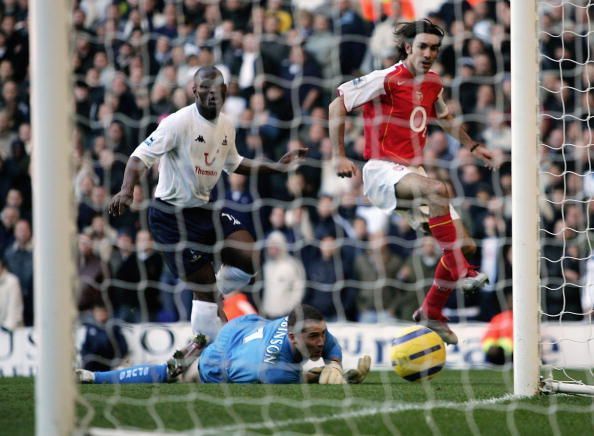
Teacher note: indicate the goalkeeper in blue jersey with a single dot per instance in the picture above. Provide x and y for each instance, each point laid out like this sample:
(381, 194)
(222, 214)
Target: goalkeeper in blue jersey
(251, 349)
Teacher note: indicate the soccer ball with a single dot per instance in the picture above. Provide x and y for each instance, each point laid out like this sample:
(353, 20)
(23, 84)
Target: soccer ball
(417, 353)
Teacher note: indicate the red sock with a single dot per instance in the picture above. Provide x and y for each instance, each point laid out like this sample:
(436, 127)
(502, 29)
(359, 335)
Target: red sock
(444, 231)
(439, 292)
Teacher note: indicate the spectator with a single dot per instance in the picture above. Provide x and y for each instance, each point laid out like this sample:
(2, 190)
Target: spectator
(151, 268)
(116, 134)
(11, 300)
(497, 135)
(275, 8)
(273, 47)
(237, 12)
(84, 183)
(376, 268)
(86, 211)
(326, 289)
(278, 223)
(353, 42)
(124, 285)
(13, 104)
(248, 65)
(284, 278)
(304, 75)
(298, 220)
(104, 346)
(381, 43)
(417, 272)
(92, 272)
(267, 124)
(110, 170)
(235, 104)
(169, 27)
(19, 260)
(560, 267)
(105, 69)
(8, 219)
(493, 242)
(329, 221)
(7, 136)
(103, 237)
(321, 44)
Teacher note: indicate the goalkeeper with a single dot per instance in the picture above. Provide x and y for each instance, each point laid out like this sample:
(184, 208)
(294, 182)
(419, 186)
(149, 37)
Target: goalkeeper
(251, 349)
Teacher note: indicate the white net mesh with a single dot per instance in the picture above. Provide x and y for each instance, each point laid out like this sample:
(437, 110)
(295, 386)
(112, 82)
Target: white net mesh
(318, 239)
(566, 172)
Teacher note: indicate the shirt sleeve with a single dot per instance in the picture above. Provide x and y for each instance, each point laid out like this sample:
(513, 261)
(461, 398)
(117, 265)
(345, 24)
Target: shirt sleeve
(161, 141)
(441, 109)
(233, 157)
(332, 349)
(363, 89)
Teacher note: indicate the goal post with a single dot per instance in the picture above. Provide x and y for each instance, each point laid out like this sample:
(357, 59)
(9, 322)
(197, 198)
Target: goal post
(524, 102)
(52, 215)
(532, 374)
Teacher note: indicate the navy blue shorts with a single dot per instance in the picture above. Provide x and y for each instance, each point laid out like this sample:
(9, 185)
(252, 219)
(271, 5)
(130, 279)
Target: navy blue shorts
(187, 237)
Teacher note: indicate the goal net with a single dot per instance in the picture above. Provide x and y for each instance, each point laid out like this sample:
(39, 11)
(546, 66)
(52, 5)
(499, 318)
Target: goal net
(565, 179)
(318, 238)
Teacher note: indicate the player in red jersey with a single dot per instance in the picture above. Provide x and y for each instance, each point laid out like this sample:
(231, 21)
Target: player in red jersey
(397, 103)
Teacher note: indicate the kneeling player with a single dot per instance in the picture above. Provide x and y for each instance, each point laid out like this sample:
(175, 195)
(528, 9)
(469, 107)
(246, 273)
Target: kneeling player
(251, 349)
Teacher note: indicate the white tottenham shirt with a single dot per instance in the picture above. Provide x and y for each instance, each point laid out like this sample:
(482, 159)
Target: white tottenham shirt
(193, 152)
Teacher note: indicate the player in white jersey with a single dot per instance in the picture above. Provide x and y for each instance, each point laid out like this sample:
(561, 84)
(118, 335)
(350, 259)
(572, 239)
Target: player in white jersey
(194, 145)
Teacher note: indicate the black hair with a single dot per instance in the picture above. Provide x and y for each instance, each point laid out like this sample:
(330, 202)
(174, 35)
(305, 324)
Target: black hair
(302, 313)
(405, 32)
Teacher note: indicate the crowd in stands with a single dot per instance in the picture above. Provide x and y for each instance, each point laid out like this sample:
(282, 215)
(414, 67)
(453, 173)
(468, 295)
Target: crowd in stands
(321, 242)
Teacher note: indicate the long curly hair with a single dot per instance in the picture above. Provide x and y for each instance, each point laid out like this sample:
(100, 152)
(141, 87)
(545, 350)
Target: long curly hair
(405, 32)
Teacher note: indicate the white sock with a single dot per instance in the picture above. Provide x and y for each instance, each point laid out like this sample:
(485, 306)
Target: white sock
(205, 319)
(231, 279)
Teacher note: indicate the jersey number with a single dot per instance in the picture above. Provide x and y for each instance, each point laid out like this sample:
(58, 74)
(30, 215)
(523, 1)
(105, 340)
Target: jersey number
(258, 334)
(418, 119)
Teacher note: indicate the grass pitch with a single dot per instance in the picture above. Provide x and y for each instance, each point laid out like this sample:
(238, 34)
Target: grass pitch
(454, 403)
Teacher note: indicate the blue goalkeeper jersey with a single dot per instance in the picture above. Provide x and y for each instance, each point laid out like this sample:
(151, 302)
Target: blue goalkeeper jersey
(251, 349)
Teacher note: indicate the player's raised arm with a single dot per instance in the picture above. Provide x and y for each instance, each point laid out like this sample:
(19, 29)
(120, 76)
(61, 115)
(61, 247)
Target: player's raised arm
(337, 115)
(479, 150)
(135, 169)
(250, 166)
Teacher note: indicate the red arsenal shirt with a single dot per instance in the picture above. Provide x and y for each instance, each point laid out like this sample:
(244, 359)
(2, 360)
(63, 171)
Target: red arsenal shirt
(396, 109)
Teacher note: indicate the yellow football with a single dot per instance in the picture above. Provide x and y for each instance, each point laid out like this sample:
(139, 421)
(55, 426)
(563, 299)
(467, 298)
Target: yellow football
(417, 353)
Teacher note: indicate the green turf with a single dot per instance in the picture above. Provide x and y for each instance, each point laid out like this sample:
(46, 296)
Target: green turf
(454, 403)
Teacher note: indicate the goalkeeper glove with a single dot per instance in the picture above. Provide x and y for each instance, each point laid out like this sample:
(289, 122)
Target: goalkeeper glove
(313, 375)
(356, 376)
(332, 374)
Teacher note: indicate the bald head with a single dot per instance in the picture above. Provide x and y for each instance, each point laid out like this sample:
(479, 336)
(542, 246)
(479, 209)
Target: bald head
(208, 71)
